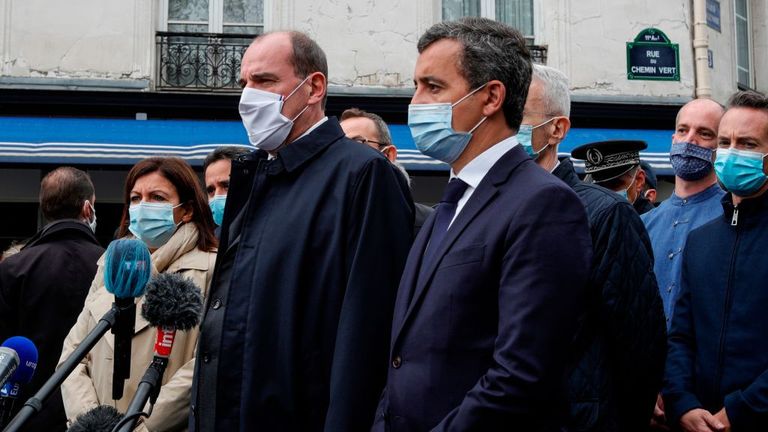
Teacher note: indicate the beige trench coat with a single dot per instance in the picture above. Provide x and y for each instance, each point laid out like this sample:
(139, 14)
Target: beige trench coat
(90, 384)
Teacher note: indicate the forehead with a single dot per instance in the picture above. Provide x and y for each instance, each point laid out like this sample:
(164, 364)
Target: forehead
(218, 169)
(360, 126)
(745, 122)
(153, 181)
(271, 53)
(441, 60)
(700, 112)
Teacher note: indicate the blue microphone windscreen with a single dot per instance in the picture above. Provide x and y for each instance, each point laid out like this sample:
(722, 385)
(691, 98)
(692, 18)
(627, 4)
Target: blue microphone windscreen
(27, 352)
(127, 268)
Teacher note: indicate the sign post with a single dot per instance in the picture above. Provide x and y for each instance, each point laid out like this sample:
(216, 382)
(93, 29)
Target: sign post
(653, 57)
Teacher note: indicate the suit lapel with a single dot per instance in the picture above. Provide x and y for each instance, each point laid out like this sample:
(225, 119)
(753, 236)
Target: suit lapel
(479, 200)
(481, 197)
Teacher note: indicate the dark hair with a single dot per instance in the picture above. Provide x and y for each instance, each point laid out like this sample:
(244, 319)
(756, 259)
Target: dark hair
(222, 153)
(748, 99)
(184, 179)
(63, 192)
(308, 58)
(491, 51)
(381, 126)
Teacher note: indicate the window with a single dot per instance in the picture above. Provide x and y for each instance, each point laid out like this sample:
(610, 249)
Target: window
(516, 13)
(216, 16)
(743, 51)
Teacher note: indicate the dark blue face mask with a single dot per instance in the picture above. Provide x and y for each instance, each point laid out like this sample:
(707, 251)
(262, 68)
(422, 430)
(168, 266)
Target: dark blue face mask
(690, 162)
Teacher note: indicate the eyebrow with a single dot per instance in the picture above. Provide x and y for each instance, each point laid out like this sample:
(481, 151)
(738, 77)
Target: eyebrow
(430, 78)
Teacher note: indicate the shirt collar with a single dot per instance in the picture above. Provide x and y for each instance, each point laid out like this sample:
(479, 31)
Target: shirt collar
(314, 126)
(477, 168)
(695, 198)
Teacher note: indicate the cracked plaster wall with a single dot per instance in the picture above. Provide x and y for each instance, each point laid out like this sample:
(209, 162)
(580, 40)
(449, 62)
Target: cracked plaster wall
(76, 38)
(368, 42)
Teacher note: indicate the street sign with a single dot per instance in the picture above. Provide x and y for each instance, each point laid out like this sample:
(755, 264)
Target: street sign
(653, 57)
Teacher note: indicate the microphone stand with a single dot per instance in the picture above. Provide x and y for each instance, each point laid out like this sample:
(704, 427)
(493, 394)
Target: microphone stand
(34, 404)
(148, 390)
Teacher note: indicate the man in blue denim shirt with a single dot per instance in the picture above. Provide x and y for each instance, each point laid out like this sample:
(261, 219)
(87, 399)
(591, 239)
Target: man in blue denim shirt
(695, 201)
(696, 198)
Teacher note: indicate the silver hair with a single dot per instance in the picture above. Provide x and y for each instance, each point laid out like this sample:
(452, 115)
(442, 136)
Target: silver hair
(557, 96)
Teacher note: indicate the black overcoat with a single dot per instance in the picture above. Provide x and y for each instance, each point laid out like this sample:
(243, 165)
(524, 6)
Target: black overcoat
(296, 331)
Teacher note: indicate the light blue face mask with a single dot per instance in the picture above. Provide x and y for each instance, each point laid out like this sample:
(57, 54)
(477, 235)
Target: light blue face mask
(740, 171)
(217, 208)
(432, 130)
(524, 135)
(152, 223)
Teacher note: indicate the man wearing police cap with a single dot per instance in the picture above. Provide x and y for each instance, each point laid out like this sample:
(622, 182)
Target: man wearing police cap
(613, 164)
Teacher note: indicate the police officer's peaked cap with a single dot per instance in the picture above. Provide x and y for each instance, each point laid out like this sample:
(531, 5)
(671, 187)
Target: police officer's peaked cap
(606, 160)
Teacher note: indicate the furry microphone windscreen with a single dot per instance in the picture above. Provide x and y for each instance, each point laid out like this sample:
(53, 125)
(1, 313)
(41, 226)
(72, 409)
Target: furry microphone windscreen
(103, 418)
(172, 300)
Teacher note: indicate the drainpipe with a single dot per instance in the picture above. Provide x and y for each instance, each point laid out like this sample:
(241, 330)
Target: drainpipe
(700, 46)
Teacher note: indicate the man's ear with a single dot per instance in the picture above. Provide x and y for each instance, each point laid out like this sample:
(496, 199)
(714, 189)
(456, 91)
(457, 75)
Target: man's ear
(560, 128)
(650, 195)
(495, 93)
(391, 153)
(319, 86)
(640, 180)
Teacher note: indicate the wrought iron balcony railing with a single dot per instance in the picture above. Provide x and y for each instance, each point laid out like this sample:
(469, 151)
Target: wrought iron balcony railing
(199, 61)
(538, 54)
(211, 62)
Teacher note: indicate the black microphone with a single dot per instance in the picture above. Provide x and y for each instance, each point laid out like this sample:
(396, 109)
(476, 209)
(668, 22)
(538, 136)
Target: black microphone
(126, 270)
(171, 303)
(9, 361)
(125, 267)
(26, 353)
(103, 418)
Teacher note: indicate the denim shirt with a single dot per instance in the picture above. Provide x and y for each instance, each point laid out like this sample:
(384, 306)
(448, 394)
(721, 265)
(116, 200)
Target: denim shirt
(668, 226)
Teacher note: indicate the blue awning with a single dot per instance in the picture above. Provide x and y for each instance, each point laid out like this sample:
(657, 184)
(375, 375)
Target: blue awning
(35, 140)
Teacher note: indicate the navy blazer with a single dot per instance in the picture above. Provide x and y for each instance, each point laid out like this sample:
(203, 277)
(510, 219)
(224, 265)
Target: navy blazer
(479, 342)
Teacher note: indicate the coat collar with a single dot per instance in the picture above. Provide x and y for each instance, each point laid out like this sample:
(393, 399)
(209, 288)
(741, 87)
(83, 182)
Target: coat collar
(565, 172)
(294, 155)
(751, 211)
(64, 225)
(483, 195)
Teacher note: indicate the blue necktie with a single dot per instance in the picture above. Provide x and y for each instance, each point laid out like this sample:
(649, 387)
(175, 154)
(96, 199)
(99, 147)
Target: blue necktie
(443, 216)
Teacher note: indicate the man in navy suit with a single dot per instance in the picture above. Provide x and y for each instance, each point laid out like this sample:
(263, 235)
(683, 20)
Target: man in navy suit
(495, 280)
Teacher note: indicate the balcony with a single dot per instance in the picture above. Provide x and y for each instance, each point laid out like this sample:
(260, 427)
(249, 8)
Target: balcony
(203, 62)
(538, 54)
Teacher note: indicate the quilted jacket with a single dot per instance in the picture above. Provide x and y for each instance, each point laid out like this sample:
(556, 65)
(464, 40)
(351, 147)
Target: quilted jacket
(620, 346)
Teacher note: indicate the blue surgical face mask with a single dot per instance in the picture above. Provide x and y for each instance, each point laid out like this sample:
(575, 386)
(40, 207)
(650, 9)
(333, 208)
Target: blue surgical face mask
(217, 208)
(432, 130)
(690, 161)
(152, 223)
(740, 171)
(625, 193)
(524, 135)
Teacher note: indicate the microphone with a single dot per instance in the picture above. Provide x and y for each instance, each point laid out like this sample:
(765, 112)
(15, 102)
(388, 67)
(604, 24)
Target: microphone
(9, 361)
(26, 353)
(126, 271)
(171, 303)
(103, 418)
(126, 266)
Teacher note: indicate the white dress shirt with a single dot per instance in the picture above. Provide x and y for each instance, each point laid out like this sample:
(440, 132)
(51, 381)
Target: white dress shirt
(474, 172)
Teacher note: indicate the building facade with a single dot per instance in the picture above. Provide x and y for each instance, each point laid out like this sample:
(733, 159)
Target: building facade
(101, 83)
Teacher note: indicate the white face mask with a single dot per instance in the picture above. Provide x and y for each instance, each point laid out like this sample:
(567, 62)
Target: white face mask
(92, 223)
(263, 119)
